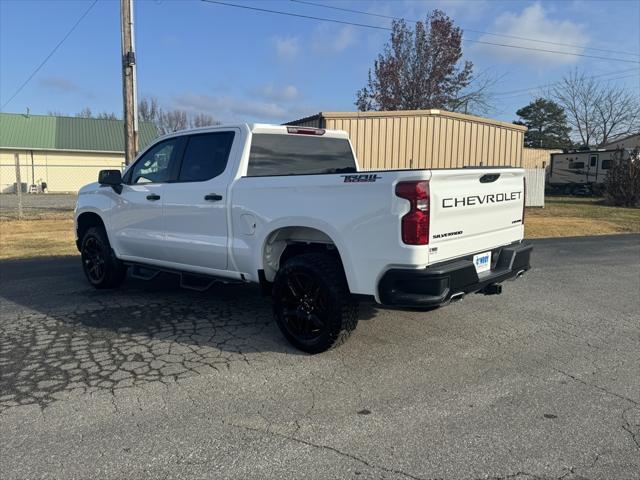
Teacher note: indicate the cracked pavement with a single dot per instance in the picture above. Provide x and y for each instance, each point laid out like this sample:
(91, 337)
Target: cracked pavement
(152, 381)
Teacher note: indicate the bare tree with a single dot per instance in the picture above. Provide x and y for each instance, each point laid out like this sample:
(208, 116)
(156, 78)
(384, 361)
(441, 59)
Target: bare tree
(173, 120)
(107, 116)
(423, 68)
(476, 97)
(202, 120)
(618, 112)
(597, 111)
(85, 113)
(148, 109)
(168, 121)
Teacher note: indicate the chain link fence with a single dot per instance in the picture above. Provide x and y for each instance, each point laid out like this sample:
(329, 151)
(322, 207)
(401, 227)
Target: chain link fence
(36, 206)
(33, 187)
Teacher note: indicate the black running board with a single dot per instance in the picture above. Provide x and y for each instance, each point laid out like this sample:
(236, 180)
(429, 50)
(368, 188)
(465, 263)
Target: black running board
(142, 272)
(198, 283)
(190, 281)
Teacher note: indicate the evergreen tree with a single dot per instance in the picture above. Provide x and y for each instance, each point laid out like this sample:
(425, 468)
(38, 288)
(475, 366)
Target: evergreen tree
(547, 124)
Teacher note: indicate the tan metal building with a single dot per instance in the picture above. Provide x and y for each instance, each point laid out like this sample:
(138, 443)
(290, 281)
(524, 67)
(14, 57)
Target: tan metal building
(537, 157)
(425, 138)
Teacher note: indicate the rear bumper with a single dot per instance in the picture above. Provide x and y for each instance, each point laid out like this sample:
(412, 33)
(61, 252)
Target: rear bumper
(434, 285)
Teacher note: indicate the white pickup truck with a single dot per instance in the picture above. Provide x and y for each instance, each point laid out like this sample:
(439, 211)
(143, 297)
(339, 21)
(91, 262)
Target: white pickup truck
(287, 207)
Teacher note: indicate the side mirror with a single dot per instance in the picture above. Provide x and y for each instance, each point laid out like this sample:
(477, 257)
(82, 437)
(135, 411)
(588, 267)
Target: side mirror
(113, 178)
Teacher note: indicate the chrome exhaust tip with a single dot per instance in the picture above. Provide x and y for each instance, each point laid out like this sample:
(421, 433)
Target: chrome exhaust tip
(456, 297)
(520, 273)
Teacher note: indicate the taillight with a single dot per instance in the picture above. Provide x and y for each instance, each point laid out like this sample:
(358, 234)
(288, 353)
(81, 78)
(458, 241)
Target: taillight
(524, 194)
(306, 130)
(415, 224)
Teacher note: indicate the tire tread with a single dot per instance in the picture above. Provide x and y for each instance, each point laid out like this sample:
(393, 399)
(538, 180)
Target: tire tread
(116, 271)
(331, 270)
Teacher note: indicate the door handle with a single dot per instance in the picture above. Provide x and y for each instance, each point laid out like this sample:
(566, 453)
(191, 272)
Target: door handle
(213, 197)
(153, 197)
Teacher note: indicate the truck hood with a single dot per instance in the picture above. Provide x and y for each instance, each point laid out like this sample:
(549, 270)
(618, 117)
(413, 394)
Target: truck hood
(89, 188)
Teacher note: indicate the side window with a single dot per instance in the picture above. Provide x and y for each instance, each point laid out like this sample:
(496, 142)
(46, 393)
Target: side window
(291, 154)
(205, 156)
(155, 165)
(606, 164)
(576, 165)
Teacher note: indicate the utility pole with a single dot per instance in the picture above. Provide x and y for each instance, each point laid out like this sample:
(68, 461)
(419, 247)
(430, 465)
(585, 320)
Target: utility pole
(129, 87)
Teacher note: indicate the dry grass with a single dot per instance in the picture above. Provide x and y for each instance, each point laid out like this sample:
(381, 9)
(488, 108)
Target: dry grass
(36, 238)
(572, 217)
(562, 217)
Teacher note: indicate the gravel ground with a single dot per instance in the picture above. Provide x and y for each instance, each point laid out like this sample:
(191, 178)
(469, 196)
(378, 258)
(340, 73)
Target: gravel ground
(152, 381)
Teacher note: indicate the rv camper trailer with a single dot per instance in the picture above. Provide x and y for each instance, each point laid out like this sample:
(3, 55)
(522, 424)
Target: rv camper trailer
(579, 172)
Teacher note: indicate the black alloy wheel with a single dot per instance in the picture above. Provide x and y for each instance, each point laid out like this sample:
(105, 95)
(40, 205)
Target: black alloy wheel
(93, 259)
(101, 267)
(312, 303)
(305, 313)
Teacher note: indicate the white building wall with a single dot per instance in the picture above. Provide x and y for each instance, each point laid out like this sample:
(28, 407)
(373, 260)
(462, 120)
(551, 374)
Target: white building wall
(535, 178)
(62, 171)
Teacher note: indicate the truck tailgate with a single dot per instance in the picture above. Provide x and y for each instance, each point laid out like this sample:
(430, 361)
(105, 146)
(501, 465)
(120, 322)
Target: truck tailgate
(474, 210)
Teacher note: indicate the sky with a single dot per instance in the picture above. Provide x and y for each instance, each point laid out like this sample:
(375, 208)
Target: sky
(243, 65)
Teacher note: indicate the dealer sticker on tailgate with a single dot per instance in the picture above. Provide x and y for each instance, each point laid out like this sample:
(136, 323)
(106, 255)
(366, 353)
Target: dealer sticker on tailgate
(482, 261)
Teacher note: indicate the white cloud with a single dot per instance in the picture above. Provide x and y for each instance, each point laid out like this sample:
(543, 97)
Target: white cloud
(329, 39)
(64, 85)
(458, 10)
(345, 38)
(286, 93)
(229, 108)
(533, 22)
(286, 48)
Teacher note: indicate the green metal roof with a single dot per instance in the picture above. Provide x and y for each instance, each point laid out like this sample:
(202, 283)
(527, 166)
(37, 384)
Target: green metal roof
(44, 132)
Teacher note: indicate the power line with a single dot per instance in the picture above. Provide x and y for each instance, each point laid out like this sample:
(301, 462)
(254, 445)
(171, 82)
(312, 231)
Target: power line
(390, 17)
(299, 15)
(553, 51)
(522, 94)
(536, 87)
(342, 22)
(37, 69)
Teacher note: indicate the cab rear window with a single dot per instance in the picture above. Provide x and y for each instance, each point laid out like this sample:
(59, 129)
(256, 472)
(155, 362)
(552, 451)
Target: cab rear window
(275, 154)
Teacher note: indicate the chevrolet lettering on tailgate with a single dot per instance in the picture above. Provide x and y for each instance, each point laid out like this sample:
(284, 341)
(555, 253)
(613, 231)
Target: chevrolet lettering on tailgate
(480, 199)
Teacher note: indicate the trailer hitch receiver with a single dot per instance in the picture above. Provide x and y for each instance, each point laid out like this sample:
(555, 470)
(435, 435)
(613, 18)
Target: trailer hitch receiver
(492, 289)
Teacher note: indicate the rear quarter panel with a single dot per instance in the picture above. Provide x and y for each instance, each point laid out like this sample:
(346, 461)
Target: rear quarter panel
(361, 218)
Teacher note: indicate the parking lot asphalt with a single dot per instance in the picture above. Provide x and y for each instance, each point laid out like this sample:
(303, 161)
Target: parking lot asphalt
(152, 381)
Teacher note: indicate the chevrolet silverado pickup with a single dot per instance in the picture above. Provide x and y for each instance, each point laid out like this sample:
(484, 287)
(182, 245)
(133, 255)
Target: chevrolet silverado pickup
(288, 208)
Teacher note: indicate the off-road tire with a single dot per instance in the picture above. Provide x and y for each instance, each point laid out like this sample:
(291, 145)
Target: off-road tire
(338, 308)
(100, 265)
